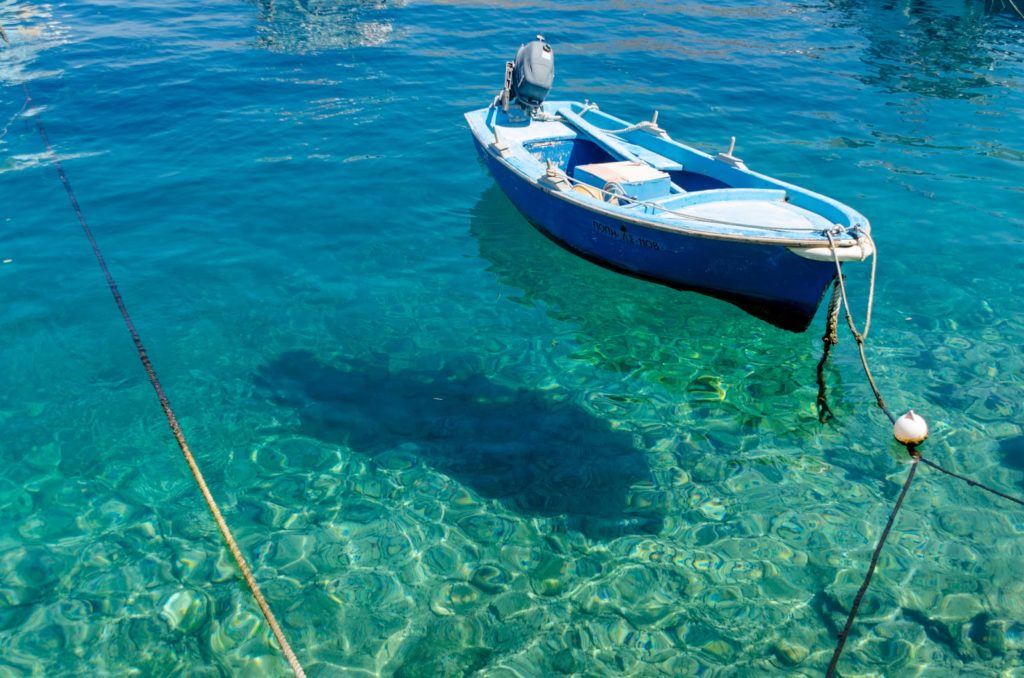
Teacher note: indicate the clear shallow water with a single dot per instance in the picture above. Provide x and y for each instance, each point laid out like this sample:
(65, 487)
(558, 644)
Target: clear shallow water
(446, 445)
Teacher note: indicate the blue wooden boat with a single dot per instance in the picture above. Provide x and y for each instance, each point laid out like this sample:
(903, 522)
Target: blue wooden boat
(631, 198)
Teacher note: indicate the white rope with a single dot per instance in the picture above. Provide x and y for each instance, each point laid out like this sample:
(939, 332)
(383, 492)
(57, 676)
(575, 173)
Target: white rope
(857, 336)
(842, 286)
(645, 125)
(547, 117)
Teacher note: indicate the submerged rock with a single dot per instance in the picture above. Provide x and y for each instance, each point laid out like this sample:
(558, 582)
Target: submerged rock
(551, 576)
(788, 653)
(184, 610)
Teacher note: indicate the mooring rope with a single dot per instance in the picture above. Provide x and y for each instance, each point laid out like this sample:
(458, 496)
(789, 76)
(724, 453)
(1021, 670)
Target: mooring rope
(829, 339)
(915, 458)
(972, 483)
(825, 413)
(649, 126)
(858, 336)
(844, 634)
(179, 436)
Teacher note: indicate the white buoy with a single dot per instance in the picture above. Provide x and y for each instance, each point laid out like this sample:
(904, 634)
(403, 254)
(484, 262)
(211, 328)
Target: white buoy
(910, 429)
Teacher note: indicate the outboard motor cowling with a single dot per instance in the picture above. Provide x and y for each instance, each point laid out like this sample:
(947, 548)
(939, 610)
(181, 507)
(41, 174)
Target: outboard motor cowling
(533, 73)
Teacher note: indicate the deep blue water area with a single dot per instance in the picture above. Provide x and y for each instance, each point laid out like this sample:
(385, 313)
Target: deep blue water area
(447, 446)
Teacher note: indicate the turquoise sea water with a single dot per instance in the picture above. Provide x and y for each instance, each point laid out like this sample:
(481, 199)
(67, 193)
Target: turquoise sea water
(447, 446)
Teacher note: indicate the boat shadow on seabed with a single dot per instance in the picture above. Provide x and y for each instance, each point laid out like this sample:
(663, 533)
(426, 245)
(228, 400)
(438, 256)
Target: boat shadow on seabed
(538, 455)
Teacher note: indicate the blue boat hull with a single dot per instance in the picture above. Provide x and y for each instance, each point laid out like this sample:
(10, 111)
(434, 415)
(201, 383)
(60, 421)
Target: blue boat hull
(767, 281)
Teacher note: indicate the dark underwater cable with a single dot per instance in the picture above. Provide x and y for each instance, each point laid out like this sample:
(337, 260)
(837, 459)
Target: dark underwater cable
(179, 436)
(885, 534)
(874, 562)
(972, 483)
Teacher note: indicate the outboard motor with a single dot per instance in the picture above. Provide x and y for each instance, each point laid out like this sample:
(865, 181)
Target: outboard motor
(528, 79)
